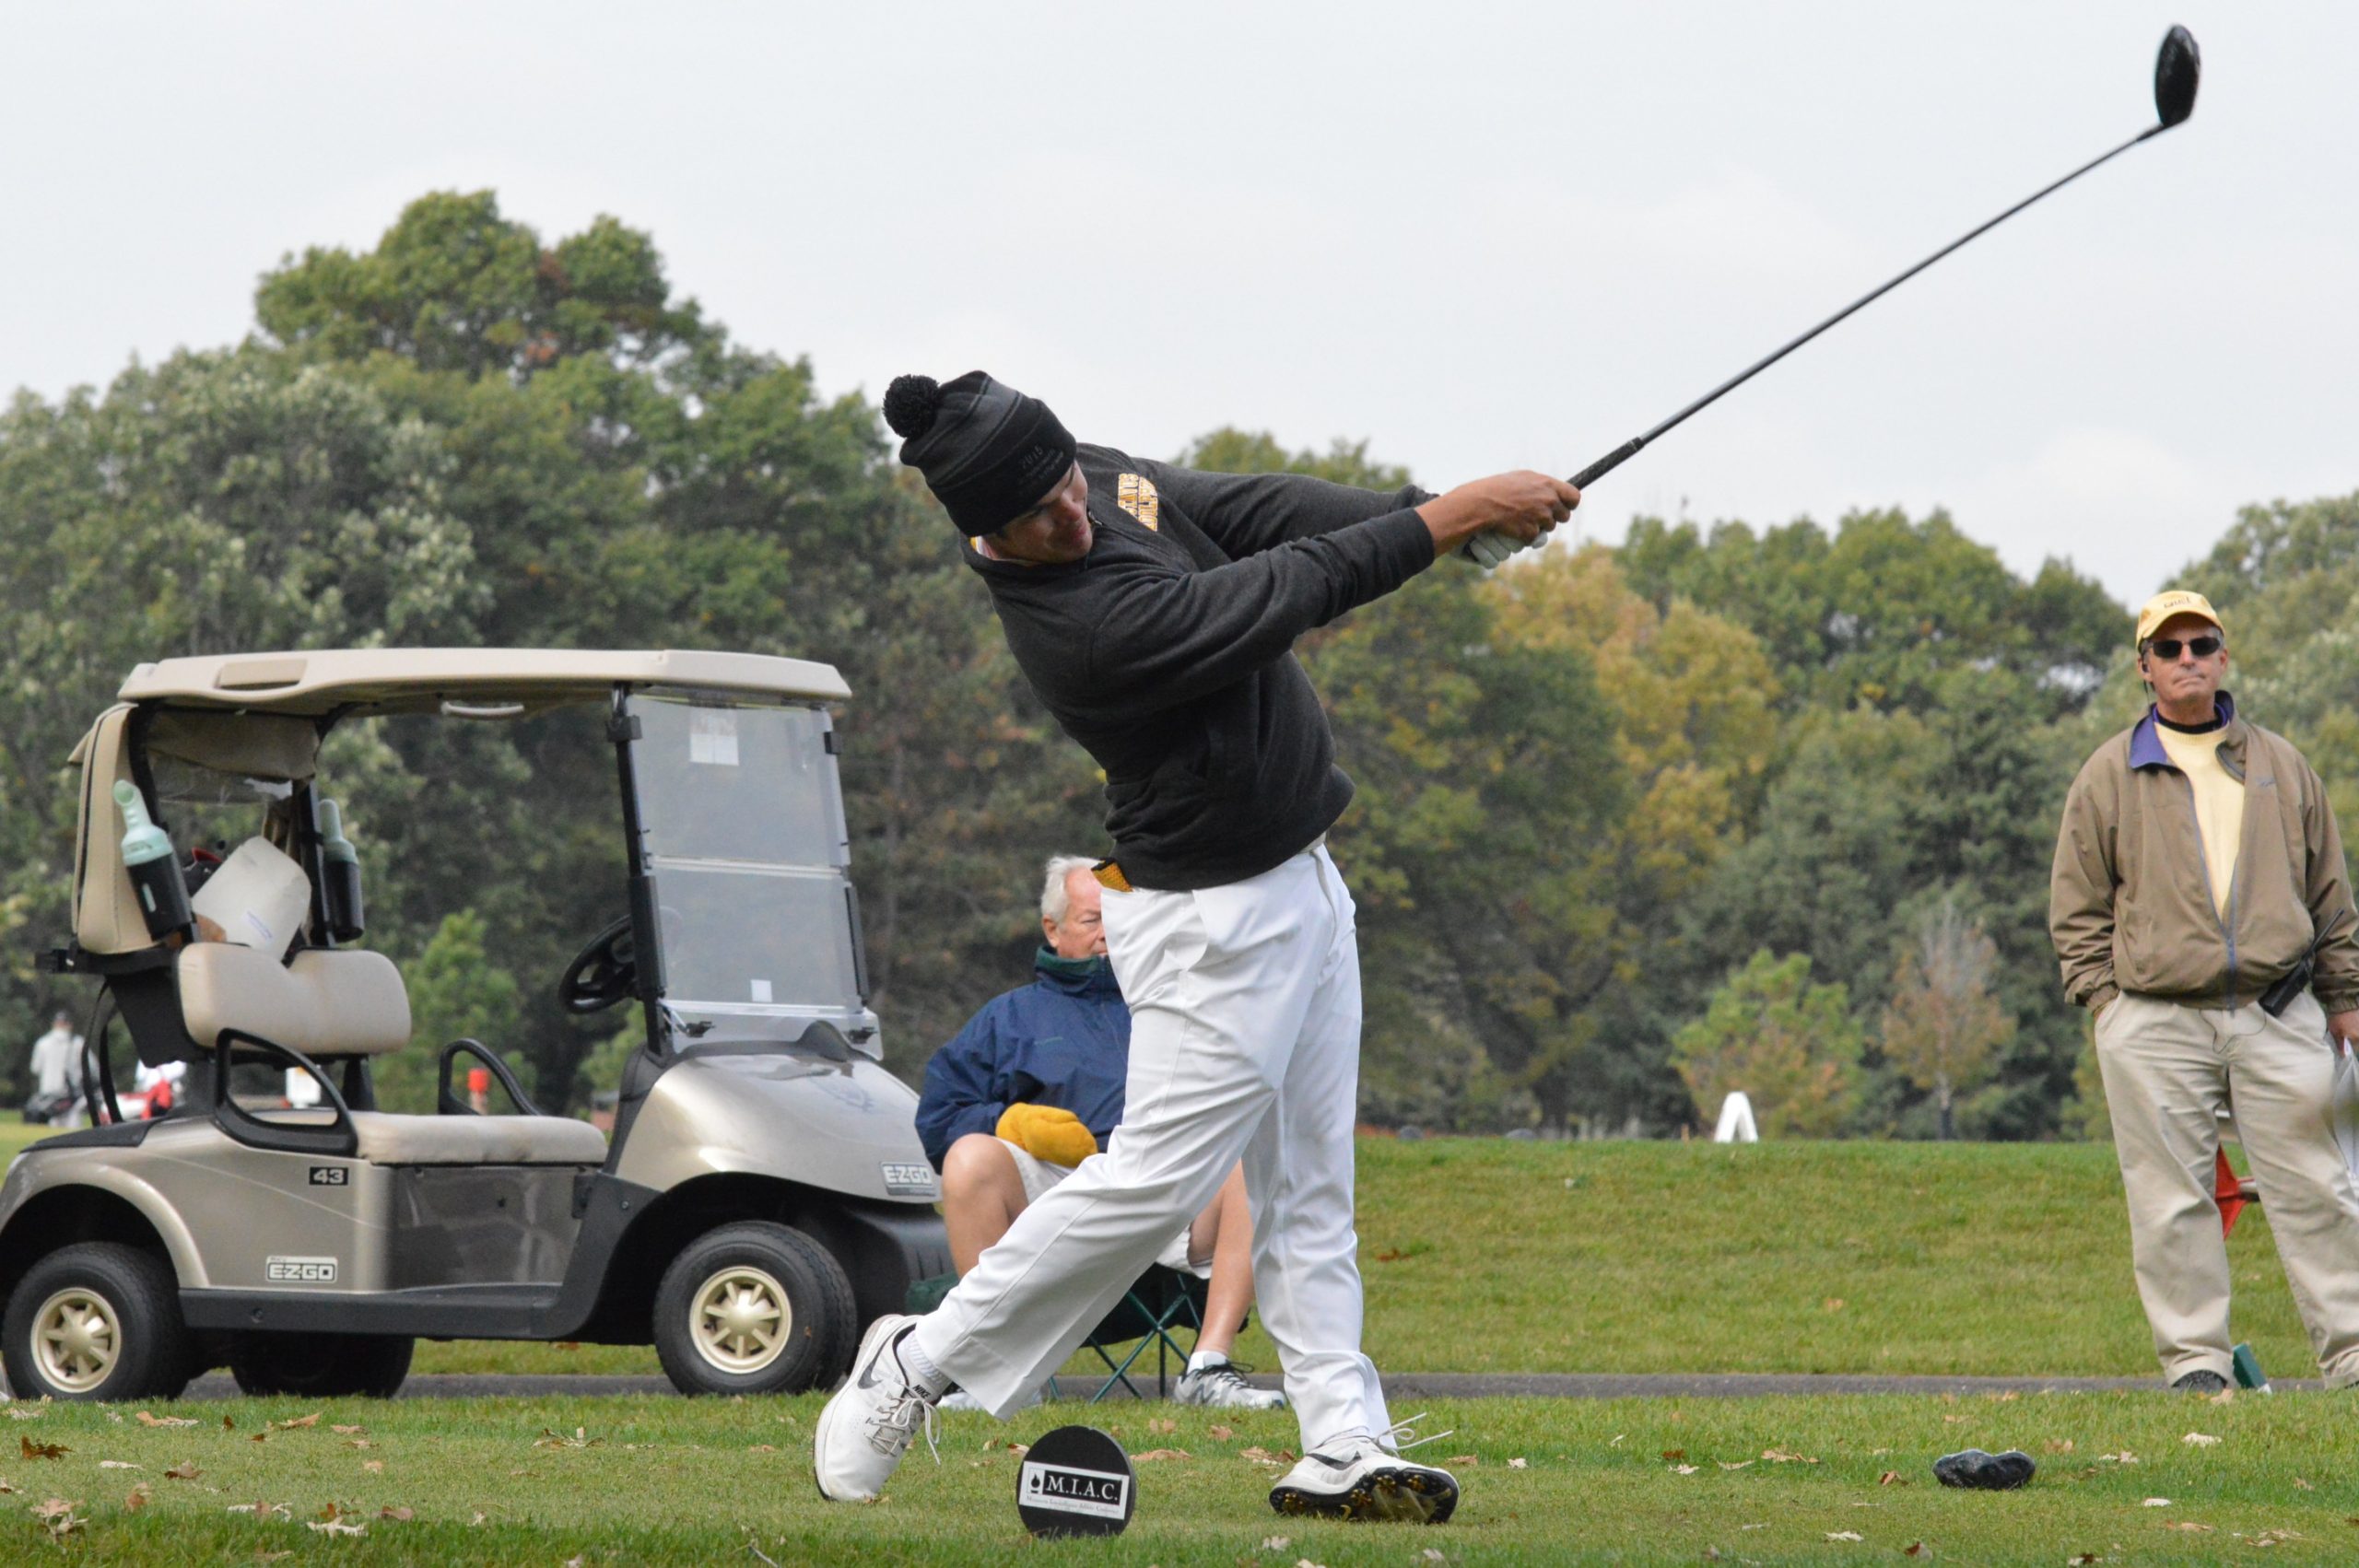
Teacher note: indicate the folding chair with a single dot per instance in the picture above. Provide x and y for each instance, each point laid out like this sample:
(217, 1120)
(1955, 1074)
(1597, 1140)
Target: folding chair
(1158, 1303)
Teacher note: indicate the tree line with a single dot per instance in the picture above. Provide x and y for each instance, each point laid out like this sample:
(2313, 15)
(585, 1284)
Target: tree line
(1769, 808)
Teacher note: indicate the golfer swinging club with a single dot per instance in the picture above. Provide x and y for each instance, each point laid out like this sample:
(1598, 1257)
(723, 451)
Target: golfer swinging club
(1152, 609)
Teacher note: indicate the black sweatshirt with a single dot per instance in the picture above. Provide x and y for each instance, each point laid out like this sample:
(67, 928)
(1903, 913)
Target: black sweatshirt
(1165, 651)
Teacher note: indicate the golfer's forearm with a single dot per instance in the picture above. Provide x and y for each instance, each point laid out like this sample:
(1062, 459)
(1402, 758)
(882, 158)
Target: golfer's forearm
(1247, 513)
(1171, 638)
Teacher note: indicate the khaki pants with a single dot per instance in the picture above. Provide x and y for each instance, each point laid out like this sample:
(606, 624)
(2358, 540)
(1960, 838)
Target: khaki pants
(2169, 1071)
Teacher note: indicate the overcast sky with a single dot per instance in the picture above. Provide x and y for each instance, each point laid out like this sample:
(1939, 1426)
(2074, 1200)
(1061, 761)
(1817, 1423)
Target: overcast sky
(1480, 236)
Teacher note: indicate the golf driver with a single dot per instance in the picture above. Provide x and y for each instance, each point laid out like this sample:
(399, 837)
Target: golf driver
(2177, 67)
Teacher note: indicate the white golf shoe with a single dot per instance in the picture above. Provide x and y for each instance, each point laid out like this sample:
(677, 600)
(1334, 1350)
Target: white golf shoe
(870, 1423)
(1358, 1478)
(1221, 1384)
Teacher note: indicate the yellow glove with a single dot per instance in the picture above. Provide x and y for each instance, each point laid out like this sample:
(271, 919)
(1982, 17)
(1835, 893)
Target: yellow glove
(1047, 1132)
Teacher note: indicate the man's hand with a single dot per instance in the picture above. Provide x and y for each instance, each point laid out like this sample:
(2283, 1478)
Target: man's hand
(1521, 507)
(1047, 1132)
(2344, 1026)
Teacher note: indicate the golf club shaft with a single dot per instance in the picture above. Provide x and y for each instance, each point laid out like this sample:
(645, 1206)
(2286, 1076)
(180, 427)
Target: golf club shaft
(1631, 448)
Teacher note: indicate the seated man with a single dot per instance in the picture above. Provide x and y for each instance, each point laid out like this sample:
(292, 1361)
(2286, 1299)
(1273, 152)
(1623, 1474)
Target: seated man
(1026, 1092)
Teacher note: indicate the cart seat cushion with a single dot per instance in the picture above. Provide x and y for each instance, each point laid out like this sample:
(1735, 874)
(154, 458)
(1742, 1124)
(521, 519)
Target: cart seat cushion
(389, 1140)
(347, 1002)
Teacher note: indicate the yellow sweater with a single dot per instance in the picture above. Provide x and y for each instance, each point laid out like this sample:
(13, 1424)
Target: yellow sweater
(2219, 803)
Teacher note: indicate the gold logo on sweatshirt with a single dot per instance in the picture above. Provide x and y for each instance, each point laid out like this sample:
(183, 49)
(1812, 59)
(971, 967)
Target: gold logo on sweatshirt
(1136, 493)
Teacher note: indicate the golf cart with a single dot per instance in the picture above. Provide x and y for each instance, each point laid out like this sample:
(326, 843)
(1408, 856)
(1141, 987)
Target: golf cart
(763, 1195)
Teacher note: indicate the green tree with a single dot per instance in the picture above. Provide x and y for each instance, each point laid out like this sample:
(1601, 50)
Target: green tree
(456, 993)
(1791, 1045)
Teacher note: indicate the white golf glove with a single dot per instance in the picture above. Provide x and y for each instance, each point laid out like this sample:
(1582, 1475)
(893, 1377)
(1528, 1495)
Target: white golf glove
(1488, 549)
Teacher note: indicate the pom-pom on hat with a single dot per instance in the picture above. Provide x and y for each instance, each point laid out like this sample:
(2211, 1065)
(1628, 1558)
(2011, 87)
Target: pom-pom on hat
(988, 453)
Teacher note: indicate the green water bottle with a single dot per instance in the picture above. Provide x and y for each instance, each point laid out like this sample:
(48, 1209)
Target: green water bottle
(339, 875)
(155, 869)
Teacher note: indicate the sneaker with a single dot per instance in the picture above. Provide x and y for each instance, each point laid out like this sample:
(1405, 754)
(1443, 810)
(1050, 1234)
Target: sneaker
(959, 1399)
(2200, 1381)
(1222, 1384)
(869, 1424)
(1358, 1478)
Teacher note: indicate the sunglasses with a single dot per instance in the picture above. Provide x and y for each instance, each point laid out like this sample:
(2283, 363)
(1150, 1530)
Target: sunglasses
(2167, 647)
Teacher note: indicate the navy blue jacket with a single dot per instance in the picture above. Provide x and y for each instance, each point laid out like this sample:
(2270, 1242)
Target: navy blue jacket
(1063, 1040)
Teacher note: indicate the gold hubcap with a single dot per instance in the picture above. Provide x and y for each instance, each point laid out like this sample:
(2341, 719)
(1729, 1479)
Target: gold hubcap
(740, 1318)
(77, 1340)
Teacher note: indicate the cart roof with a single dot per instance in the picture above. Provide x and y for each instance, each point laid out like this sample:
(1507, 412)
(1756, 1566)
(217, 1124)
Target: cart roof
(396, 680)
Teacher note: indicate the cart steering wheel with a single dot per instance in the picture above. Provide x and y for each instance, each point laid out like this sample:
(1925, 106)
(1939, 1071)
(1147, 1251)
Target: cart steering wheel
(604, 972)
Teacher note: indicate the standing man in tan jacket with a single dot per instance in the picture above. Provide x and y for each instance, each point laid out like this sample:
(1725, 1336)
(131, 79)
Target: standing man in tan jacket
(2199, 872)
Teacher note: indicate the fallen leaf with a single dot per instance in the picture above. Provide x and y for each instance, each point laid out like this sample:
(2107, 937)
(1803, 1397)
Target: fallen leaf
(579, 1439)
(2156, 1502)
(2124, 1458)
(291, 1424)
(1832, 1304)
(1462, 1459)
(1779, 1456)
(1738, 1464)
(58, 1516)
(374, 1467)
(1261, 1456)
(138, 1497)
(1518, 1463)
(228, 1423)
(2198, 1440)
(21, 1412)
(33, 1450)
(261, 1556)
(475, 1519)
(2306, 1486)
(1685, 1469)
(1914, 1548)
(1220, 1433)
(1891, 1478)
(1306, 1563)
(1274, 1543)
(347, 1431)
(1956, 1420)
(147, 1420)
(186, 1470)
(2082, 1561)
(1162, 1426)
(1432, 1554)
(335, 1527)
(358, 1442)
(2058, 1446)
(117, 1465)
(400, 1513)
(1164, 1454)
(1844, 1535)
(1672, 1456)
(2186, 1525)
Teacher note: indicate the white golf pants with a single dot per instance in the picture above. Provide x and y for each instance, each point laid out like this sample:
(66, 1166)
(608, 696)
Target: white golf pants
(1245, 1023)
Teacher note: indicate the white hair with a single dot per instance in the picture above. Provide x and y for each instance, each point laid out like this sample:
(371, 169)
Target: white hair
(1055, 897)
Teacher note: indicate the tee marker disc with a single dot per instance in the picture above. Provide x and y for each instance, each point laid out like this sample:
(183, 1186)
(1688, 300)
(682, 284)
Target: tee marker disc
(1076, 1480)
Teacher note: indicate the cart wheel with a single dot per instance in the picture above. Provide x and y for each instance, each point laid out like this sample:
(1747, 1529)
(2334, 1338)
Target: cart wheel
(754, 1308)
(321, 1366)
(96, 1320)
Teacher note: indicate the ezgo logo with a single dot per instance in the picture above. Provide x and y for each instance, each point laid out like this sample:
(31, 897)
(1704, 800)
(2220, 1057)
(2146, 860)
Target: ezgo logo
(299, 1270)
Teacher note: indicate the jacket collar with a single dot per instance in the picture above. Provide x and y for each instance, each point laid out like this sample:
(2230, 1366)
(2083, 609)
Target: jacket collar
(1075, 977)
(2146, 741)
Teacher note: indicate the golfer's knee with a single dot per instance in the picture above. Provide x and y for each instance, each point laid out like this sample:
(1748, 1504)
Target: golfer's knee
(980, 1170)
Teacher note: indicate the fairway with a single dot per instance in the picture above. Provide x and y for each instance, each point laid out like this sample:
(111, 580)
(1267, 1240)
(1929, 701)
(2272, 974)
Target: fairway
(1483, 1255)
(664, 1481)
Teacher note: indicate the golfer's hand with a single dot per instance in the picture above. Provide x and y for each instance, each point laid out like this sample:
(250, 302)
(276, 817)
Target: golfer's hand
(1519, 508)
(1047, 1132)
(2344, 1026)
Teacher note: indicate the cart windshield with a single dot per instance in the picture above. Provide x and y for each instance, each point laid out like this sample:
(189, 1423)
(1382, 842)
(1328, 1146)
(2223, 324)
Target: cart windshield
(743, 831)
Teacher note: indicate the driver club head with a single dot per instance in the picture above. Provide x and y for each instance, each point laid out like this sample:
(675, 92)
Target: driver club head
(2177, 67)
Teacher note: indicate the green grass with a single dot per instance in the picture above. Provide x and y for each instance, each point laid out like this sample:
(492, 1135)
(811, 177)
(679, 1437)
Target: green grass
(1485, 1254)
(665, 1480)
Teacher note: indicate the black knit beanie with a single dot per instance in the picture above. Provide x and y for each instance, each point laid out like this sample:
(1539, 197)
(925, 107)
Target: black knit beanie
(988, 453)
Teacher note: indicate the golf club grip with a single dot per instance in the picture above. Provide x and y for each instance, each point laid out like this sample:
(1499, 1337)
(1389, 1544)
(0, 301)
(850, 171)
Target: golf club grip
(1607, 464)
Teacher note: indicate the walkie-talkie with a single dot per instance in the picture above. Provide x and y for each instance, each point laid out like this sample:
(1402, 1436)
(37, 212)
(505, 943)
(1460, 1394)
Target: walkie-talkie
(2295, 981)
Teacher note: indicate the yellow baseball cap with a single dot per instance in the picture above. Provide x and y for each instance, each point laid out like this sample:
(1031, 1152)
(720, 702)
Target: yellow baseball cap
(2175, 601)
